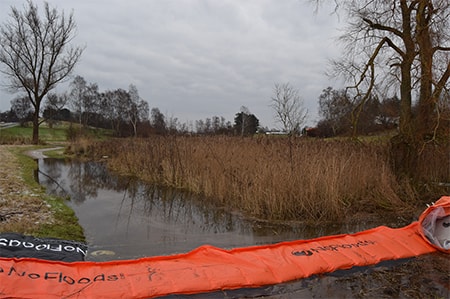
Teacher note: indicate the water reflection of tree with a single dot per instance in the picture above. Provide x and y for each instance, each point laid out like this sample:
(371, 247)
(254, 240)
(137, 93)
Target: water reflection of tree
(83, 179)
(154, 205)
(51, 174)
(183, 209)
(88, 177)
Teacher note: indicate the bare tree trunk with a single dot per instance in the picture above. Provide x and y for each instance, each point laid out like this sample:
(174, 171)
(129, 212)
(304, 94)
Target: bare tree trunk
(426, 116)
(36, 126)
(404, 153)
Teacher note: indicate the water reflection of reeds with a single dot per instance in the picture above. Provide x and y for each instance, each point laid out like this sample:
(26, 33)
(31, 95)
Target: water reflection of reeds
(81, 181)
(141, 203)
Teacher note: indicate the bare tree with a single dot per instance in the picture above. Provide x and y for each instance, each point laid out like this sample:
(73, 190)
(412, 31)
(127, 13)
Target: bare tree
(118, 101)
(158, 121)
(243, 119)
(290, 112)
(78, 88)
(138, 109)
(288, 107)
(246, 123)
(35, 53)
(400, 45)
(335, 107)
(84, 99)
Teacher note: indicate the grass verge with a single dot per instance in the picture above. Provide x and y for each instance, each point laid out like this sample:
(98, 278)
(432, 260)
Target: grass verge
(25, 206)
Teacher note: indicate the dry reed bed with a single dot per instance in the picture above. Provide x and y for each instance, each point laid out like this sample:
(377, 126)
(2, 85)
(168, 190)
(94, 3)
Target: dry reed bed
(265, 177)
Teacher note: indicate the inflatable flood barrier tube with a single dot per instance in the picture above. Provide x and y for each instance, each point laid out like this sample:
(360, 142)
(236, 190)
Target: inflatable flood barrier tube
(208, 268)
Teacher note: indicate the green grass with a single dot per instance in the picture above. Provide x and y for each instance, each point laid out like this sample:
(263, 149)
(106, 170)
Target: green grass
(66, 224)
(24, 134)
(57, 134)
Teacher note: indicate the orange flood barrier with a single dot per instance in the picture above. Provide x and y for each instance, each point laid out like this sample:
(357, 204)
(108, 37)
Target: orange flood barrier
(208, 268)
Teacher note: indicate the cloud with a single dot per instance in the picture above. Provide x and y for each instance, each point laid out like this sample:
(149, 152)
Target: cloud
(198, 58)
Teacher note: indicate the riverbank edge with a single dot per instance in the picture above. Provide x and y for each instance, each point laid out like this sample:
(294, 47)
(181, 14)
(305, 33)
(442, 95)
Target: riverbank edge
(59, 221)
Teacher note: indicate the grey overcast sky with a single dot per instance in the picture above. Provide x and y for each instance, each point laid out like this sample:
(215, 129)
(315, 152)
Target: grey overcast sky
(195, 59)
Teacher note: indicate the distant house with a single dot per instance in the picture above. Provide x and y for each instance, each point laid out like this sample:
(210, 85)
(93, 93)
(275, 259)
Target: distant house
(311, 132)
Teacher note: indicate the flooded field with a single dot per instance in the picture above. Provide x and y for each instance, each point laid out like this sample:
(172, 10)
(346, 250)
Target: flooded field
(124, 218)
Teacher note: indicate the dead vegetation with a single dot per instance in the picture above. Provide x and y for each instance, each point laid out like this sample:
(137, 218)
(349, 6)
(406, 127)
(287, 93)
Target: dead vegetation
(267, 177)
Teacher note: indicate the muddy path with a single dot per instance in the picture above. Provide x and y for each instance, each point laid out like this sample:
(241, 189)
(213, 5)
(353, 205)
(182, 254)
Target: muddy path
(40, 153)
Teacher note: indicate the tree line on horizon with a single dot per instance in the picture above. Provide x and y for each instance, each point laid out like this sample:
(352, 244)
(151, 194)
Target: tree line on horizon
(127, 114)
(122, 111)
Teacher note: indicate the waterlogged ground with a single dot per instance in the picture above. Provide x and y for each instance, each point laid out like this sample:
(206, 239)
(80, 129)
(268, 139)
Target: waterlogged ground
(124, 219)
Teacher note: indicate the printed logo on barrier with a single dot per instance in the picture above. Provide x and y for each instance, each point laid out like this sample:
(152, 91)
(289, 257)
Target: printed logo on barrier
(333, 248)
(60, 277)
(18, 245)
(12, 244)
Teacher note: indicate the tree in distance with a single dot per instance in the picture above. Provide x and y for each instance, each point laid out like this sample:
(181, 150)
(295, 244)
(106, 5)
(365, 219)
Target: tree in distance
(289, 109)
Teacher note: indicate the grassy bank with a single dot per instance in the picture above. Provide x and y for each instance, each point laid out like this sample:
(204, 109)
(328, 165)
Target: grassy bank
(23, 135)
(268, 177)
(58, 133)
(25, 206)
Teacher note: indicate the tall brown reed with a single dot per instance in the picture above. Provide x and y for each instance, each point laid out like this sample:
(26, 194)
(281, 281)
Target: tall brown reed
(257, 176)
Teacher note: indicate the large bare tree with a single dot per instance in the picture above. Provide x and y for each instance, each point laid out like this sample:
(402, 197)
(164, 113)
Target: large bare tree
(35, 53)
(401, 45)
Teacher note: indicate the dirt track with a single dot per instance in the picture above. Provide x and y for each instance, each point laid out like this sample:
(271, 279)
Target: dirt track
(39, 153)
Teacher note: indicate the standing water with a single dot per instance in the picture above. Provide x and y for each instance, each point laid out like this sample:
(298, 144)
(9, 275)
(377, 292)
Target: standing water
(124, 218)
